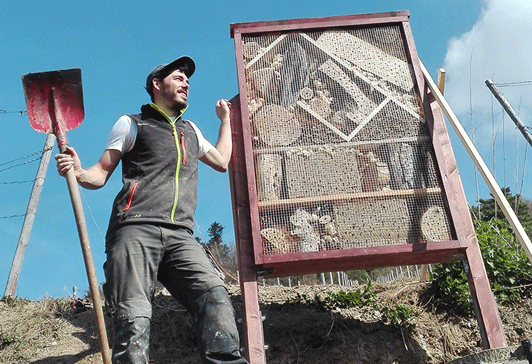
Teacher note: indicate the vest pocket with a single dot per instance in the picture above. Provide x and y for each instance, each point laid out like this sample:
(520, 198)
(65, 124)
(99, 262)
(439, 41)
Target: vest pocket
(131, 194)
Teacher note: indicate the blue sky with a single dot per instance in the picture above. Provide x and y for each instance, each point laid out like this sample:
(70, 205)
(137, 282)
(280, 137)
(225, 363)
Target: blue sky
(116, 44)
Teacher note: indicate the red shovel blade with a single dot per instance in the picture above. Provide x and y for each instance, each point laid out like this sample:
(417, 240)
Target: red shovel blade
(54, 100)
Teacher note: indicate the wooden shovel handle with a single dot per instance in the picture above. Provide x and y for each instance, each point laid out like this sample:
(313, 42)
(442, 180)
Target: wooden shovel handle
(87, 256)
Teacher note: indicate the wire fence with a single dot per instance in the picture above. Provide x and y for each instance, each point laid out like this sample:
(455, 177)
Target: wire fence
(412, 272)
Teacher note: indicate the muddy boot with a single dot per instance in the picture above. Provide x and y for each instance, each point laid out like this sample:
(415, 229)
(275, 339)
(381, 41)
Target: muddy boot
(214, 321)
(131, 341)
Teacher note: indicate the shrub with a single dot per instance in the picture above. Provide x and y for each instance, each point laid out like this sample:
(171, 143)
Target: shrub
(508, 268)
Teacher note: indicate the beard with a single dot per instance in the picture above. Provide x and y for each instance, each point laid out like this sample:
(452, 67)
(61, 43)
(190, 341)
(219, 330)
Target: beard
(178, 106)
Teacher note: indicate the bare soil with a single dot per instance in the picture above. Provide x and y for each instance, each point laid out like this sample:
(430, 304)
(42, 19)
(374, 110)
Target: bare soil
(64, 331)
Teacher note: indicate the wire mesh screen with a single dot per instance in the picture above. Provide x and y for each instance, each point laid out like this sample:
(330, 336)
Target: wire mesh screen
(342, 152)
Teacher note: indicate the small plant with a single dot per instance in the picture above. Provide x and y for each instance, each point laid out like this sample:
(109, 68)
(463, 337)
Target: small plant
(7, 339)
(344, 299)
(399, 315)
(449, 283)
(12, 301)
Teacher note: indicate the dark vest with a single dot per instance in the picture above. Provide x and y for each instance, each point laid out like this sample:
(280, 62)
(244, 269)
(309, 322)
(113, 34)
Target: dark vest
(160, 173)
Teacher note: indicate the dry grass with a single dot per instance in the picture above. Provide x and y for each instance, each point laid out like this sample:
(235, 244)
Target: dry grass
(27, 327)
(63, 331)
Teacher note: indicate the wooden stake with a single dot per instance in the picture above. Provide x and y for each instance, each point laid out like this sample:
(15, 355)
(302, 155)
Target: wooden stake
(31, 210)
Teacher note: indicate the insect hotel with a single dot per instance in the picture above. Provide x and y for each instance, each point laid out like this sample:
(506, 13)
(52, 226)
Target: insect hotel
(341, 158)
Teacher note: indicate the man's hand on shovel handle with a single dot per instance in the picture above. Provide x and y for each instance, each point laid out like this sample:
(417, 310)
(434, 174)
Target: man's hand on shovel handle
(67, 160)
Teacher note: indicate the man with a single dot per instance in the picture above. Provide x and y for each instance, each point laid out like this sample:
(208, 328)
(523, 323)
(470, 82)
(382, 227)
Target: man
(150, 230)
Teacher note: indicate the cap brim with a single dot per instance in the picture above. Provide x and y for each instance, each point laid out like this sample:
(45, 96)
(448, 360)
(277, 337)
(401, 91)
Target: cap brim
(184, 60)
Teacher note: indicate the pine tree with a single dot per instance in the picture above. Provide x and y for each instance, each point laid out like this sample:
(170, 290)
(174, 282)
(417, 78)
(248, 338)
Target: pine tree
(489, 210)
(215, 233)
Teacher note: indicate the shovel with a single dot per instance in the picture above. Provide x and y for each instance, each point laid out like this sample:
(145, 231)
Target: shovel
(55, 105)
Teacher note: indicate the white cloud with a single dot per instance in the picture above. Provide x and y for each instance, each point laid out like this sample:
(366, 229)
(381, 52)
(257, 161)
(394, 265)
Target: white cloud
(497, 47)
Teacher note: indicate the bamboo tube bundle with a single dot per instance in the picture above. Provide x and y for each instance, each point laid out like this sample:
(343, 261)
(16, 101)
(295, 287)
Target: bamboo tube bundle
(372, 223)
(322, 172)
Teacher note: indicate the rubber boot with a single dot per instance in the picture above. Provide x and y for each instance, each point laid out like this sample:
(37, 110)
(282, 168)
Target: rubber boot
(527, 348)
(131, 341)
(214, 322)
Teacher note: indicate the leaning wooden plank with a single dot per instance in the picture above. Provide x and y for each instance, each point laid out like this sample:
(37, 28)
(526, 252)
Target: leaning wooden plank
(480, 164)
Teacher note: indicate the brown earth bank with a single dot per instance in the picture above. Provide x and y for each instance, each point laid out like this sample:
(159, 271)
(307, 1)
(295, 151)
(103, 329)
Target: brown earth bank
(296, 332)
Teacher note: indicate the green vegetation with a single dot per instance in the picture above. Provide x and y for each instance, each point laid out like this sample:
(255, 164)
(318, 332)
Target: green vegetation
(508, 268)
(13, 301)
(6, 339)
(344, 299)
(399, 315)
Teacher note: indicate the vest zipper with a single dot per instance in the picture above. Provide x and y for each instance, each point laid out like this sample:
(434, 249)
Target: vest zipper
(178, 167)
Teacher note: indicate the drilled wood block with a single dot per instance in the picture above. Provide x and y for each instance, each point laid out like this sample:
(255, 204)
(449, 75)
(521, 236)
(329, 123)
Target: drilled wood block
(366, 56)
(276, 125)
(277, 241)
(435, 224)
(269, 176)
(391, 122)
(372, 223)
(325, 171)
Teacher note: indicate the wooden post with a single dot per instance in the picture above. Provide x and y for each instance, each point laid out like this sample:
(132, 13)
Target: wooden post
(513, 115)
(253, 331)
(31, 210)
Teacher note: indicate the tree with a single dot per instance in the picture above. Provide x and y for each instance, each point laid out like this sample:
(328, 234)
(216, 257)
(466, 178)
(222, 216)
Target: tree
(489, 209)
(215, 233)
(224, 255)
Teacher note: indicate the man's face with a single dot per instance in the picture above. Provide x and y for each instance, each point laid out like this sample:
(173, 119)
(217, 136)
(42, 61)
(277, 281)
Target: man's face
(174, 90)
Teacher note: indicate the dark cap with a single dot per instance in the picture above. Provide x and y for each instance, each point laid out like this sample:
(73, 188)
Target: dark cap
(163, 70)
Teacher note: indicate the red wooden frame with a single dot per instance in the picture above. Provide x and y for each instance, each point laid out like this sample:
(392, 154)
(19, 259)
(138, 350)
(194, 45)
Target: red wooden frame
(464, 246)
(298, 263)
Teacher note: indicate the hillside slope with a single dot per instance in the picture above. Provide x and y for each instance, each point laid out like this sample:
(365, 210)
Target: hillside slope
(63, 330)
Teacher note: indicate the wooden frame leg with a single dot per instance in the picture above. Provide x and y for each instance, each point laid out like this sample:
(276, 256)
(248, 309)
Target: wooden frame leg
(486, 310)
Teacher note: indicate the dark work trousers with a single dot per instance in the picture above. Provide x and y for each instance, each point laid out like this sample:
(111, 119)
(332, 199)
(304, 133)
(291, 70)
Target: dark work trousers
(140, 254)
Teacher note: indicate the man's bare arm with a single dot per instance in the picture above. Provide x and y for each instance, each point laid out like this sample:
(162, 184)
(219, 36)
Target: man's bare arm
(219, 156)
(91, 178)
